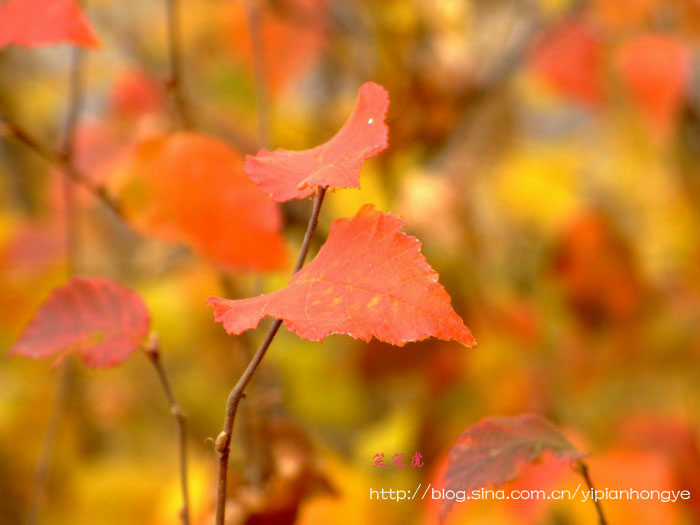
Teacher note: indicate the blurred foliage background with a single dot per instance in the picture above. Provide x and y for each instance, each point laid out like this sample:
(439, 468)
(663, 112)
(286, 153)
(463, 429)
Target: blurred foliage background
(547, 154)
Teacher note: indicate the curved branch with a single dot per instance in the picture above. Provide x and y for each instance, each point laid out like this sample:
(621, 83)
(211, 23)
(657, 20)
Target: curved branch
(583, 470)
(223, 440)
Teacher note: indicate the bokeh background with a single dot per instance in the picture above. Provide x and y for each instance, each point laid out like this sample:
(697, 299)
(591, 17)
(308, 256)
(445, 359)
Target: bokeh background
(547, 154)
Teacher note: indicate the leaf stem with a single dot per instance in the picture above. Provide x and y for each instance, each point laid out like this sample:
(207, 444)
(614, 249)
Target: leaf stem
(153, 353)
(582, 469)
(223, 440)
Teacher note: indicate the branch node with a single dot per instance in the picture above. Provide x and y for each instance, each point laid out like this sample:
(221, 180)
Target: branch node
(221, 443)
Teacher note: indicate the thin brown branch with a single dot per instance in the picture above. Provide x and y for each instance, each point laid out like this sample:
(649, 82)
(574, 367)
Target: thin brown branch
(41, 471)
(254, 17)
(174, 81)
(582, 469)
(15, 131)
(59, 159)
(75, 104)
(223, 440)
(66, 377)
(153, 353)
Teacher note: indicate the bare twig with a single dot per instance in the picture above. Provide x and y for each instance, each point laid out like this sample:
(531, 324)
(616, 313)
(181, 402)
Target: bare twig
(223, 440)
(66, 377)
(59, 159)
(153, 353)
(75, 103)
(258, 46)
(582, 469)
(174, 81)
(41, 472)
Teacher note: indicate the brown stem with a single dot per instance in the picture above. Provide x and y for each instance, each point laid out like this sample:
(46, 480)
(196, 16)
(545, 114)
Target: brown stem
(66, 377)
(258, 46)
(153, 353)
(41, 471)
(583, 470)
(174, 81)
(223, 440)
(75, 103)
(59, 159)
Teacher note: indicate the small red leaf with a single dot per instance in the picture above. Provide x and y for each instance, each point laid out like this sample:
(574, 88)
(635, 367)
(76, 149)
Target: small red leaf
(34, 23)
(96, 318)
(368, 279)
(191, 188)
(289, 175)
(496, 449)
(656, 71)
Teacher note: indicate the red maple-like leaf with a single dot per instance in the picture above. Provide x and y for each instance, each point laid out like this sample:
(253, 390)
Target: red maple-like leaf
(287, 175)
(368, 279)
(496, 449)
(34, 23)
(656, 70)
(97, 318)
(191, 188)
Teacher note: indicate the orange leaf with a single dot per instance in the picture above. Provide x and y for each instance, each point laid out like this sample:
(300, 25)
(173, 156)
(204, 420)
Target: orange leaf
(368, 279)
(656, 71)
(191, 188)
(33, 23)
(96, 318)
(289, 175)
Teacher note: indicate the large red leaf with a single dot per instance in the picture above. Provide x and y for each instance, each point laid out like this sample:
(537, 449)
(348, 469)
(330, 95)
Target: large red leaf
(368, 279)
(655, 69)
(33, 23)
(191, 188)
(496, 449)
(289, 175)
(96, 318)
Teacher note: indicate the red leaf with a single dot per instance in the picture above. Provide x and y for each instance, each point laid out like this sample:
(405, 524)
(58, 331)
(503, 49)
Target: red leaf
(570, 59)
(496, 449)
(292, 36)
(191, 188)
(34, 23)
(368, 279)
(96, 318)
(289, 175)
(656, 71)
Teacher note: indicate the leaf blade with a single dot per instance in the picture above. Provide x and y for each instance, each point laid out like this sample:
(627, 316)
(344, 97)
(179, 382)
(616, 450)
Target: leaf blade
(36, 23)
(495, 450)
(190, 188)
(287, 175)
(368, 280)
(94, 317)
